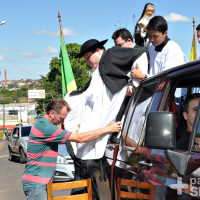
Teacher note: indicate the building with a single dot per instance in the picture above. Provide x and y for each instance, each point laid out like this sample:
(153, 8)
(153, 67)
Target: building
(15, 113)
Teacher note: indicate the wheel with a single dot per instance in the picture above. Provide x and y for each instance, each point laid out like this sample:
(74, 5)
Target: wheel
(11, 157)
(22, 157)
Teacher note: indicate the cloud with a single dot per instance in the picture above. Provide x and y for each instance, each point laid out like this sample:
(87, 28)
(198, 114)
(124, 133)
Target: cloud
(47, 62)
(174, 17)
(66, 32)
(50, 51)
(45, 33)
(27, 54)
(2, 58)
(7, 49)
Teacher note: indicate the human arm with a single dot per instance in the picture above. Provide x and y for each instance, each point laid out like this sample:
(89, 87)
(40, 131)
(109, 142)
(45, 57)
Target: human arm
(137, 73)
(91, 135)
(140, 68)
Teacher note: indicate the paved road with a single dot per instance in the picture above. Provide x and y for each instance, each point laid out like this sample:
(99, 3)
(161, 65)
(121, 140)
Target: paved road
(10, 176)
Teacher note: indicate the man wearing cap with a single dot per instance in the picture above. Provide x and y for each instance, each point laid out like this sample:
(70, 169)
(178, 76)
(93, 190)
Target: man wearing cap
(99, 104)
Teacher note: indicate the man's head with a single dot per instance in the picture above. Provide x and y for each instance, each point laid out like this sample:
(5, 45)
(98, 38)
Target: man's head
(189, 109)
(57, 110)
(157, 30)
(123, 38)
(92, 51)
(198, 32)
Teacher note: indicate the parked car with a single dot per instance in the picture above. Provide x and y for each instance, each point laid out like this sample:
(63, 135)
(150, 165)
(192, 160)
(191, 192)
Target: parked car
(65, 165)
(17, 146)
(153, 120)
(17, 142)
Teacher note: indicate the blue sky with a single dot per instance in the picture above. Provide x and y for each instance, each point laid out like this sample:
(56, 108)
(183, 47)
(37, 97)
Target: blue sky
(30, 38)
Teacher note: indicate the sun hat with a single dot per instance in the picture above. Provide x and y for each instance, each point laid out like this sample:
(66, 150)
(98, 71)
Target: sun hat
(90, 45)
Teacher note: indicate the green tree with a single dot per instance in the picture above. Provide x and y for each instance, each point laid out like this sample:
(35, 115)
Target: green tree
(52, 83)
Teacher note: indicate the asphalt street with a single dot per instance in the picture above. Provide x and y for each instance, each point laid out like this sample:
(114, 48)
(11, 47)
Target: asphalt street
(10, 176)
(11, 179)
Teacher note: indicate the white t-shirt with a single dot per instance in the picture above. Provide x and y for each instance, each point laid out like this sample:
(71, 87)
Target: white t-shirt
(170, 56)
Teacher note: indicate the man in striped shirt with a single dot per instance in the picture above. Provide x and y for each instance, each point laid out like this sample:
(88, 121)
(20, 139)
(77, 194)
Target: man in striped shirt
(42, 148)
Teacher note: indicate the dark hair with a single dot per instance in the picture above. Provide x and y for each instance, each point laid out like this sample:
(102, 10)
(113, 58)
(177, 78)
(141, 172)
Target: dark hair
(158, 23)
(124, 33)
(198, 27)
(57, 105)
(189, 98)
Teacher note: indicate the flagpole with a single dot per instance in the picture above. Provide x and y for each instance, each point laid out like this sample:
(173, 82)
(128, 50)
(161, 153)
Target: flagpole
(195, 43)
(59, 17)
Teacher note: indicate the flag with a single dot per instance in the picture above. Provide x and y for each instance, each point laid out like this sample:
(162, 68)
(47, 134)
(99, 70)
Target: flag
(193, 55)
(68, 81)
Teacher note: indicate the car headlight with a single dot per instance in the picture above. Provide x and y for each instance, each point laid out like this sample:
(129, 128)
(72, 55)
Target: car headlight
(61, 159)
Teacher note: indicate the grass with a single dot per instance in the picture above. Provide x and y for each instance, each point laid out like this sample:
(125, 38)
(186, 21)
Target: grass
(1, 135)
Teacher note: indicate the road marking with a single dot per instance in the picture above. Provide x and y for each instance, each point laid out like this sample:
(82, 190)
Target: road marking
(3, 156)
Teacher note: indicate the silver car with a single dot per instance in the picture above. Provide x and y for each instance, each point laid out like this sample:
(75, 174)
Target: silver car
(17, 142)
(65, 165)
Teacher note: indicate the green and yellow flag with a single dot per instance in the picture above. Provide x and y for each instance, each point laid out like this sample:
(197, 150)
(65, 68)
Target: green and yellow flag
(68, 81)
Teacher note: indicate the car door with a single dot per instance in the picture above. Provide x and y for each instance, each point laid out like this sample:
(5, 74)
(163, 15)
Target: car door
(127, 164)
(177, 164)
(14, 139)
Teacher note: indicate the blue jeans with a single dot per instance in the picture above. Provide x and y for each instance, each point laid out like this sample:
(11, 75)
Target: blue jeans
(35, 193)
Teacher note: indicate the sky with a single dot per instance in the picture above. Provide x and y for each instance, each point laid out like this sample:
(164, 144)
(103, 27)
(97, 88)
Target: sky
(30, 38)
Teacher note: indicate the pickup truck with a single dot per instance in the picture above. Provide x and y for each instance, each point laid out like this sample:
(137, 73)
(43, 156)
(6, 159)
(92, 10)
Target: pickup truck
(154, 122)
(17, 142)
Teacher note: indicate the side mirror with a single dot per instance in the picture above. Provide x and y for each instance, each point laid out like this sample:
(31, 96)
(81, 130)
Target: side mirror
(160, 130)
(15, 135)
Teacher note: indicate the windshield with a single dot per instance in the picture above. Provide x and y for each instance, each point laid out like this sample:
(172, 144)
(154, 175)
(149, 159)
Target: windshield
(62, 150)
(26, 131)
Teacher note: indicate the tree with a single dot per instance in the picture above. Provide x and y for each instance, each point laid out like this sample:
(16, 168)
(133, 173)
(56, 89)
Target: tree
(52, 83)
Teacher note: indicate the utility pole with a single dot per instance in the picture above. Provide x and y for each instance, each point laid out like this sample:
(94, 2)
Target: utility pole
(3, 118)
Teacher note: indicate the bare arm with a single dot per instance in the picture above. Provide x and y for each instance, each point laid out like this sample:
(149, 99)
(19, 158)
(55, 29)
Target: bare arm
(137, 73)
(91, 135)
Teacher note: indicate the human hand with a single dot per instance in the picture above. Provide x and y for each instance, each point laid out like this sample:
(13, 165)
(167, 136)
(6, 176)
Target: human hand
(143, 25)
(114, 127)
(137, 74)
(129, 90)
(197, 143)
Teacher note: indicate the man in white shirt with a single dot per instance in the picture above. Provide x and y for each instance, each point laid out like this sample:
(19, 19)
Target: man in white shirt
(100, 102)
(164, 53)
(123, 38)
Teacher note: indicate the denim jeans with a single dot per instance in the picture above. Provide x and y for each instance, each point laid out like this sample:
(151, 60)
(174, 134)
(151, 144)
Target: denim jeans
(35, 193)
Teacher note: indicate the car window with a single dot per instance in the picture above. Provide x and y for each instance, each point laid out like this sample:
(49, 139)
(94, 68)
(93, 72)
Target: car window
(136, 115)
(196, 132)
(180, 89)
(26, 131)
(62, 150)
(16, 131)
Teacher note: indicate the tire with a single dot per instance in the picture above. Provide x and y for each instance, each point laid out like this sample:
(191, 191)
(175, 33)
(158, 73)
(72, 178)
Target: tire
(11, 157)
(22, 157)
